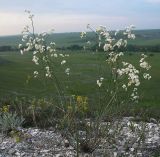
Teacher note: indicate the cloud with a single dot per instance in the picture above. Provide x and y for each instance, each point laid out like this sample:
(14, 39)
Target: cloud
(69, 21)
(13, 23)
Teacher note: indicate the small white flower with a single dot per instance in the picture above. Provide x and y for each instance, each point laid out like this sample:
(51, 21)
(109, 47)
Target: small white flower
(101, 79)
(44, 58)
(141, 60)
(83, 34)
(145, 65)
(135, 97)
(88, 124)
(125, 43)
(47, 68)
(53, 43)
(137, 83)
(119, 43)
(66, 55)
(135, 89)
(131, 36)
(61, 55)
(146, 76)
(124, 63)
(23, 40)
(25, 37)
(67, 71)
(55, 55)
(35, 52)
(132, 26)
(48, 48)
(37, 46)
(107, 47)
(22, 52)
(35, 73)
(35, 59)
(109, 40)
(116, 32)
(63, 62)
(88, 42)
(124, 87)
(99, 83)
(121, 54)
(48, 73)
(99, 44)
(20, 45)
(143, 55)
(120, 72)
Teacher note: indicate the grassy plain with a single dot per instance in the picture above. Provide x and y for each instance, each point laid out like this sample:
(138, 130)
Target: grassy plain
(16, 78)
(16, 71)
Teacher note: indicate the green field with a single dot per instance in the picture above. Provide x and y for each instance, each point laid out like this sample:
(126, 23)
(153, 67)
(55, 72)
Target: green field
(15, 70)
(17, 80)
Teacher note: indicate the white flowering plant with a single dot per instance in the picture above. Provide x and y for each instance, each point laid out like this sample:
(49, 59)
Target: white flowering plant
(119, 86)
(122, 82)
(45, 56)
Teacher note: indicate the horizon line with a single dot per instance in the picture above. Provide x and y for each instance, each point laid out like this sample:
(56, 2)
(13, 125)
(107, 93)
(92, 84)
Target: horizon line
(8, 35)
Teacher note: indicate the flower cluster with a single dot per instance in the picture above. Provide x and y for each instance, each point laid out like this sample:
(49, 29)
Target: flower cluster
(113, 43)
(48, 72)
(43, 53)
(133, 76)
(145, 66)
(131, 72)
(113, 57)
(4, 109)
(134, 94)
(129, 33)
(82, 103)
(109, 42)
(83, 34)
(99, 81)
(146, 76)
(67, 71)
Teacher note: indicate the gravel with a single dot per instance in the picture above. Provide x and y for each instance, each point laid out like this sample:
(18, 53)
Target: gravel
(36, 142)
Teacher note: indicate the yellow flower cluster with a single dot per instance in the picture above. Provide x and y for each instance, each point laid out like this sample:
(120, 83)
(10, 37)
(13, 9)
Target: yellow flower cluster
(4, 109)
(82, 103)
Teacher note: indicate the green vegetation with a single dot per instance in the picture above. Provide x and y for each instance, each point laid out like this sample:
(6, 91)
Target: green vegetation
(78, 95)
(17, 71)
(17, 79)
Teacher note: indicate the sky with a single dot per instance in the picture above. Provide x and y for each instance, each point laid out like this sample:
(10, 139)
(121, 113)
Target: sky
(74, 15)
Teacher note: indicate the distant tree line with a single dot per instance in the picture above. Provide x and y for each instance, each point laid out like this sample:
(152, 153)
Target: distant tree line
(129, 48)
(143, 48)
(8, 48)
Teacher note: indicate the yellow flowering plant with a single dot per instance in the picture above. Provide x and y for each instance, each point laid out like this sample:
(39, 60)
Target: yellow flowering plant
(4, 109)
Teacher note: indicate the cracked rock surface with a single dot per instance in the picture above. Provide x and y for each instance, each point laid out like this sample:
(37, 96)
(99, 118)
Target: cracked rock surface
(48, 143)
